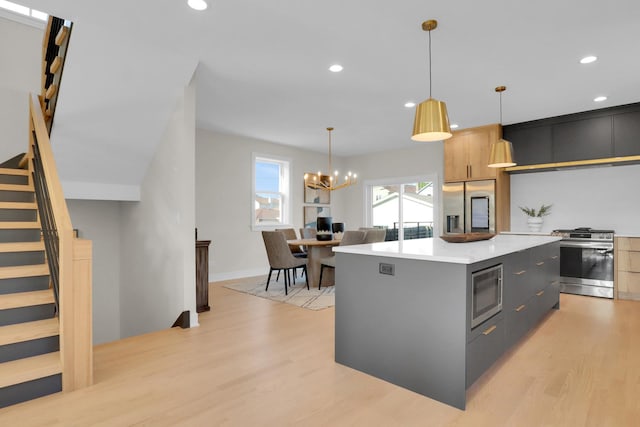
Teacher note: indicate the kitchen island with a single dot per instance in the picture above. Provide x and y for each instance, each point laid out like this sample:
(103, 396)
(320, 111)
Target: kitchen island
(404, 309)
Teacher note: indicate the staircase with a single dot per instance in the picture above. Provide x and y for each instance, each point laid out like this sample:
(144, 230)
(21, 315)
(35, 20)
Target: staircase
(30, 365)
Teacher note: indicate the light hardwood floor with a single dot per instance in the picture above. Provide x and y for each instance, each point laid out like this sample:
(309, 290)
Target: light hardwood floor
(255, 362)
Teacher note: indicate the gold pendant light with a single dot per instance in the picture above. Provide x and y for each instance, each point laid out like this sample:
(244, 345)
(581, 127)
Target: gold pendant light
(329, 181)
(501, 150)
(431, 122)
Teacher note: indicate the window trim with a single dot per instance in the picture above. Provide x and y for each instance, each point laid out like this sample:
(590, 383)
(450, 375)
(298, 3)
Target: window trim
(286, 164)
(368, 197)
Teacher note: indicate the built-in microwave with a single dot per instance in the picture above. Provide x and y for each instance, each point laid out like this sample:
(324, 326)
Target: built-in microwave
(486, 294)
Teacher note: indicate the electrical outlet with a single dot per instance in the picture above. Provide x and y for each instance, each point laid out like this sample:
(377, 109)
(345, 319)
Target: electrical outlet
(388, 269)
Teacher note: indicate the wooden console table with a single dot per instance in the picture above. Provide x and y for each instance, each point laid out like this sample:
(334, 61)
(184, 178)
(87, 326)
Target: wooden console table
(202, 275)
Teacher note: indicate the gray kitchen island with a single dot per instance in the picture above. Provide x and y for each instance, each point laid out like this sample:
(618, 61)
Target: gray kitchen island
(432, 316)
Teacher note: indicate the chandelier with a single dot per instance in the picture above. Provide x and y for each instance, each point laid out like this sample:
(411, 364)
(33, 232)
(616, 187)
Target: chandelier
(322, 181)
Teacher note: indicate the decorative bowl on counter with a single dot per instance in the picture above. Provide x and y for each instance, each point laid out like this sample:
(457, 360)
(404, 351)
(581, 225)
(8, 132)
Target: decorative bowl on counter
(466, 237)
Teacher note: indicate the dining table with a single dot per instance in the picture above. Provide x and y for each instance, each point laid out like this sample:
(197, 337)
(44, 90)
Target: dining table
(316, 250)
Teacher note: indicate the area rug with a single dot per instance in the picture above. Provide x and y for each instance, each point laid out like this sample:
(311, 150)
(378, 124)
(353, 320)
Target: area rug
(312, 299)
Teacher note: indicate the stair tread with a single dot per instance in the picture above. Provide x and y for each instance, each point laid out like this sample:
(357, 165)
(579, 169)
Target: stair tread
(18, 205)
(26, 299)
(21, 247)
(30, 368)
(20, 225)
(15, 271)
(10, 171)
(28, 331)
(17, 187)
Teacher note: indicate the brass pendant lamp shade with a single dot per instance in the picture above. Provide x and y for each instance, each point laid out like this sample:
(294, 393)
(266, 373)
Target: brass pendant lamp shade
(501, 151)
(431, 122)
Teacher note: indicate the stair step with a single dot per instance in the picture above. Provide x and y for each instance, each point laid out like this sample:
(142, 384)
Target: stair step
(8, 171)
(24, 271)
(18, 205)
(29, 331)
(31, 368)
(19, 224)
(16, 187)
(26, 299)
(21, 247)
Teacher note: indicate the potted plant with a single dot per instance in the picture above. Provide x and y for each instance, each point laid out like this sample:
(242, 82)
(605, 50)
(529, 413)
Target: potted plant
(535, 217)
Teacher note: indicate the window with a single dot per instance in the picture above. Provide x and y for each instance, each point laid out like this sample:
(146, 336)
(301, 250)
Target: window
(405, 207)
(19, 13)
(270, 196)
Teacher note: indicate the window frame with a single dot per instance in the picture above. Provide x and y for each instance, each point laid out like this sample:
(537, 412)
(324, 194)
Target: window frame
(368, 198)
(285, 190)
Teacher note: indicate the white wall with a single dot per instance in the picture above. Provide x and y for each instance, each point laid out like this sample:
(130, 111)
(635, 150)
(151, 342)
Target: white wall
(223, 205)
(157, 235)
(604, 198)
(426, 158)
(20, 66)
(99, 221)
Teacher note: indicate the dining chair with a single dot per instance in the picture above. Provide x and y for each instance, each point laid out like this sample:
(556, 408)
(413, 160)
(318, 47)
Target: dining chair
(350, 237)
(297, 251)
(281, 258)
(308, 233)
(374, 235)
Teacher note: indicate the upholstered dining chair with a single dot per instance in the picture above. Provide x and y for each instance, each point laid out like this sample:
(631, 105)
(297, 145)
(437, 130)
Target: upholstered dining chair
(374, 235)
(350, 237)
(308, 233)
(281, 258)
(297, 251)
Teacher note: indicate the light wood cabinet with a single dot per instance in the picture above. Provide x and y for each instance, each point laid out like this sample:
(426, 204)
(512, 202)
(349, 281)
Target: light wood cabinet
(466, 154)
(627, 262)
(466, 158)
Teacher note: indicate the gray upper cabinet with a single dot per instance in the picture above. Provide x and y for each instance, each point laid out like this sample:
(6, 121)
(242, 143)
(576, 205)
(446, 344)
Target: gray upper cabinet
(531, 145)
(582, 139)
(626, 134)
(590, 135)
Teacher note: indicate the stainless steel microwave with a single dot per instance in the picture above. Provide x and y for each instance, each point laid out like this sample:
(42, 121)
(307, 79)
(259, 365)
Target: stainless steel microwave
(486, 294)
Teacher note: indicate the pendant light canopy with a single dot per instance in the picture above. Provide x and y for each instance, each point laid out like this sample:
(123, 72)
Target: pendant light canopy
(501, 151)
(431, 122)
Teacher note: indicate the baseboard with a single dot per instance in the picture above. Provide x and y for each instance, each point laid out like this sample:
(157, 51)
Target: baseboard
(218, 277)
(629, 296)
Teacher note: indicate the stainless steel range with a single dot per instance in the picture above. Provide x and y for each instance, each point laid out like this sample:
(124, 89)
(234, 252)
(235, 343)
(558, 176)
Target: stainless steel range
(586, 262)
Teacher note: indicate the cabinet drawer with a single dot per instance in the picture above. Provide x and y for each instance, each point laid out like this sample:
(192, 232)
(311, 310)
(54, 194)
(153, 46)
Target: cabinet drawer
(518, 322)
(485, 349)
(628, 282)
(628, 261)
(543, 300)
(628, 243)
(515, 286)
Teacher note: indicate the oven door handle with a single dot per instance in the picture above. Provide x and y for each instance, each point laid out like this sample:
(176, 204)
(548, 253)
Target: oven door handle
(586, 245)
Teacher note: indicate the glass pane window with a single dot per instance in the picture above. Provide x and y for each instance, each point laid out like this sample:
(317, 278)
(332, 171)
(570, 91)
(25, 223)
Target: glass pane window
(405, 210)
(270, 192)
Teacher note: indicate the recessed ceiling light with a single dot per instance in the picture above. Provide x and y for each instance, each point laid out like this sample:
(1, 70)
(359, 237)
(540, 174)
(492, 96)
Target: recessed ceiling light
(197, 4)
(600, 98)
(454, 126)
(588, 59)
(410, 104)
(336, 68)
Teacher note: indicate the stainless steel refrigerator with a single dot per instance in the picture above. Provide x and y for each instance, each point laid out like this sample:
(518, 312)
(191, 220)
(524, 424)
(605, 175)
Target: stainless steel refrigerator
(469, 207)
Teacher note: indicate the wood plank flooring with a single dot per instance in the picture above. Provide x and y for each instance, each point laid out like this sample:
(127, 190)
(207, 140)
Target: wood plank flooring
(255, 362)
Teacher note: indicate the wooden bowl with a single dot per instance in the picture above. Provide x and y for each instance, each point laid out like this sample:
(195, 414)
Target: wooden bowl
(466, 237)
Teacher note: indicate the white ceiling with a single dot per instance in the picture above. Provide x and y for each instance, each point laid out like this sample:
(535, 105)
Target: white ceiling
(262, 70)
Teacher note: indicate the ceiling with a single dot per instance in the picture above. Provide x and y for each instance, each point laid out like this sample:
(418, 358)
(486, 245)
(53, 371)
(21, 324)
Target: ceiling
(262, 70)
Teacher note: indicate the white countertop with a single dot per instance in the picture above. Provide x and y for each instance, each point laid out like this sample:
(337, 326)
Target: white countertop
(436, 249)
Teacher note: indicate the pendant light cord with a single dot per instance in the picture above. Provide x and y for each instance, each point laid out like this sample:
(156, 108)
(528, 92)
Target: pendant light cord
(430, 64)
(500, 108)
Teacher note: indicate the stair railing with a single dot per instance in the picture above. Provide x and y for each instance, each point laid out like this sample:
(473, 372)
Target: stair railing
(69, 258)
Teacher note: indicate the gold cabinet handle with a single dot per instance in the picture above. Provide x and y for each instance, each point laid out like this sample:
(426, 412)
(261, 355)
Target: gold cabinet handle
(554, 257)
(519, 309)
(539, 293)
(491, 329)
(520, 272)
(540, 263)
